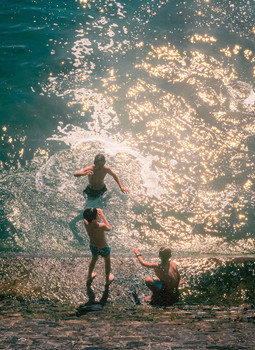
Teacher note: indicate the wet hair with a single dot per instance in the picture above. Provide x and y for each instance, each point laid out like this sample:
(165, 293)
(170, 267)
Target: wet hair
(165, 253)
(90, 214)
(99, 158)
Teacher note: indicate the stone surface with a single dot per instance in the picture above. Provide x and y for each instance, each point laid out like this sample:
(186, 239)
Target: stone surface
(27, 325)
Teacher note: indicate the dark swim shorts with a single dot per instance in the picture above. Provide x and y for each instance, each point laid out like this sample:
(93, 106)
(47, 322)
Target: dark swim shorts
(162, 296)
(100, 251)
(90, 192)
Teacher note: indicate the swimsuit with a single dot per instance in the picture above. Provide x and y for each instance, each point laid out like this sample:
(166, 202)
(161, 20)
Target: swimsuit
(90, 192)
(100, 251)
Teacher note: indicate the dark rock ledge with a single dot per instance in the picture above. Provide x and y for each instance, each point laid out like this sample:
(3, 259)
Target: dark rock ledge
(52, 325)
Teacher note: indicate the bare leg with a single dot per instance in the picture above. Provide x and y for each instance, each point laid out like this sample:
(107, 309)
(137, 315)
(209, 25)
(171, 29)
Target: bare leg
(92, 264)
(149, 283)
(108, 275)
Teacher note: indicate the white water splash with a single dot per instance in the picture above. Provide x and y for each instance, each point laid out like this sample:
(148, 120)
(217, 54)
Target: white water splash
(75, 136)
(250, 100)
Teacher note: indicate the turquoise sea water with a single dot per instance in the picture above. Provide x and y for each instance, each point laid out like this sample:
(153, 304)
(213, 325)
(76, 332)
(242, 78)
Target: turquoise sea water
(165, 89)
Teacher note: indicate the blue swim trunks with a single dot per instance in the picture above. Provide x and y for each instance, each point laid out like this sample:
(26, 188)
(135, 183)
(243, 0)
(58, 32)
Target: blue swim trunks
(100, 251)
(158, 285)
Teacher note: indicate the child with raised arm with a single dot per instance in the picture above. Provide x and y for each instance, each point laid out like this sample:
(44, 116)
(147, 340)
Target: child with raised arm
(96, 174)
(165, 287)
(98, 245)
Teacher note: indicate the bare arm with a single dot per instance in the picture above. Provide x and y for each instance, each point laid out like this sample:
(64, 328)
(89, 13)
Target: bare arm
(178, 276)
(86, 171)
(106, 225)
(142, 262)
(116, 178)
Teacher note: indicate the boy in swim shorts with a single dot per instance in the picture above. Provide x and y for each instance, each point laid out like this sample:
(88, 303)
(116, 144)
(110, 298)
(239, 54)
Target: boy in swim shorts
(96, 174)
(98, 245)
(165, 287)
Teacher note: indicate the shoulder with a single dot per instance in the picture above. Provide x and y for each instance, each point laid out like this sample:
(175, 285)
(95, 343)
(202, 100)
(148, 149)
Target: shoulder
(102, 226)
(90, 225)
(108, 169)
(89, 167)
(173, 264)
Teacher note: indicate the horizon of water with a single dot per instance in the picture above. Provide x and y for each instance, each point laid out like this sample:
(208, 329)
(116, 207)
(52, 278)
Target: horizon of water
(165, 89)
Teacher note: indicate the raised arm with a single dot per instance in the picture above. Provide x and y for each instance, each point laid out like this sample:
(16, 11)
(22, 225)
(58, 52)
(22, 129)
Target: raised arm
(142, 262)
(86, 171)
(116, 178)
(105, 225)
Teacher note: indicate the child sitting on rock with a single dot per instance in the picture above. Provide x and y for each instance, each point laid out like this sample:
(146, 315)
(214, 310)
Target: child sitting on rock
(165, 287)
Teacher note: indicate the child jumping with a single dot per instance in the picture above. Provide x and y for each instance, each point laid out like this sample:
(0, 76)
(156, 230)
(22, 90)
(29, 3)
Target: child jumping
(96, 174)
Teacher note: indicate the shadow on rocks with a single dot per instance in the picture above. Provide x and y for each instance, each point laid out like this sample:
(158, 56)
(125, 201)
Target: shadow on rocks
(93, 305)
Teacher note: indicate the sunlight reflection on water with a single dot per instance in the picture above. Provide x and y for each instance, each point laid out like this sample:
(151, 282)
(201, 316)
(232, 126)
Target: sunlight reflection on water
(175, 121)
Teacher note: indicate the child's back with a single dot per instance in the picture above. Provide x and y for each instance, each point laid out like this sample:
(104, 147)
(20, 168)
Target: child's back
(96, 233)
(168, 274)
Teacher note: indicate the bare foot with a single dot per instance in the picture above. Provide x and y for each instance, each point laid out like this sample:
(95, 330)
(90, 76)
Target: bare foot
(147, 299)
(111, 278)
(90, 280)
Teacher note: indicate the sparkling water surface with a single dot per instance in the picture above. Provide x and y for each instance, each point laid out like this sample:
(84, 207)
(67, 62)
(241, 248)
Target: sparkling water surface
(165, 89)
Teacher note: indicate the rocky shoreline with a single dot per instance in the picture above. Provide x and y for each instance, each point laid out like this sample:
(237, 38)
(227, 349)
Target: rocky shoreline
(54, 325)
(39, 298)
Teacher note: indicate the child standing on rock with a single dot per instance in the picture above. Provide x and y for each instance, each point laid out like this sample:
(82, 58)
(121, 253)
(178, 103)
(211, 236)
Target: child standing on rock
(98, 245)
